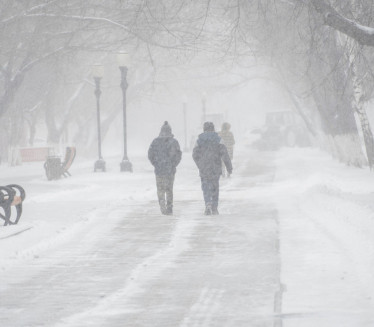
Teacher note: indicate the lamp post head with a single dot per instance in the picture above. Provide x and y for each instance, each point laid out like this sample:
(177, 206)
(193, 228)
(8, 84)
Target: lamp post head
(97, 71)
(123, 59)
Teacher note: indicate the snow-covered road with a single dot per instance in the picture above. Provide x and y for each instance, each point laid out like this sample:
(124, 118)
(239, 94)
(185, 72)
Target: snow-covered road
(93, 250)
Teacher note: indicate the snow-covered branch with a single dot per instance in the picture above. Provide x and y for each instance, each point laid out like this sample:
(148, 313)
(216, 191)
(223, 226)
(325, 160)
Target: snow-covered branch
(82, 18)
(37, 7)
(362, 34)
(145, 39)
(32, 63)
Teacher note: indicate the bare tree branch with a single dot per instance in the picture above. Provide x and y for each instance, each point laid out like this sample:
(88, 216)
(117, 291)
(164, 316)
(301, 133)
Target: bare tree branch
(362, 34)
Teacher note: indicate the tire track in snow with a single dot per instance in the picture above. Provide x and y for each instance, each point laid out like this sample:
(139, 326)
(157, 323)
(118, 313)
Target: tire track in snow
(204, 309)
(142, 274)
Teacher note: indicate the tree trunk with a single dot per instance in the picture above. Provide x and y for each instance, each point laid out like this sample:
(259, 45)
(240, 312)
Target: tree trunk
(358, 95)
(365, 125)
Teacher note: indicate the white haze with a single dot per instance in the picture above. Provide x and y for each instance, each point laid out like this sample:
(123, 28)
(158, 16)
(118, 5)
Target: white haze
(293, 244)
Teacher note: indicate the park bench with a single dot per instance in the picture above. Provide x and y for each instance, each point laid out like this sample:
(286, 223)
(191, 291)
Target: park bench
(34, 154)
(54, 168)
(11, 196)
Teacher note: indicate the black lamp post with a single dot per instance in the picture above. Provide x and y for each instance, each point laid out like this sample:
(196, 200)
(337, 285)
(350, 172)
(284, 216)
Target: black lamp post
(123, 59)
(184, 100)
(203, 99)
(98, 72)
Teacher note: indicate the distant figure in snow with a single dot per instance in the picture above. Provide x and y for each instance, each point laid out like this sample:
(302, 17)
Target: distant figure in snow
(164, 153)
(208, 154)
(229, 141)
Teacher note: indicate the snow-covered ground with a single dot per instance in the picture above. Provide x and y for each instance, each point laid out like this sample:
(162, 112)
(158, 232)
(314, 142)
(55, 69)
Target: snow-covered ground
(326, 214)
(293, 246)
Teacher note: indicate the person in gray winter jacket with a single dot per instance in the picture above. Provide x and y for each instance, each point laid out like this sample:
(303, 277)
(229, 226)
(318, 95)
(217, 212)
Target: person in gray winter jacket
(164, 154)
(208, 154)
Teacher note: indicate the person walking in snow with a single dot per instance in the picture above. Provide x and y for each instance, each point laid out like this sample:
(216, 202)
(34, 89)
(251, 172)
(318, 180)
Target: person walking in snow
(208, 154)
(164, 154)
(229, 141)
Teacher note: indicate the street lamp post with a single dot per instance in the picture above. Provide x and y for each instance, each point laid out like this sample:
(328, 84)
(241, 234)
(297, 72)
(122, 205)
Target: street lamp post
(203, 99)
(123, 59)
(98, 72)
(184, 100)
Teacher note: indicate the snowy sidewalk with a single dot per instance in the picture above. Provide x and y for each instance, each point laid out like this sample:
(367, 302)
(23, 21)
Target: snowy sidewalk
(94, 250)
(121, 263)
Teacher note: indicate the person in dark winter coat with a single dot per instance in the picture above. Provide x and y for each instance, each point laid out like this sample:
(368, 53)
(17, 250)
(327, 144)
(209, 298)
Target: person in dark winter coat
(164, 153)
(208, 154)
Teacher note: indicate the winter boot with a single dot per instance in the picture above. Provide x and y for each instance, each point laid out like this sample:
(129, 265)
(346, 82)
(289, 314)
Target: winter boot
(169, 210)
(208, 210)
(215, 212)
(163, 207)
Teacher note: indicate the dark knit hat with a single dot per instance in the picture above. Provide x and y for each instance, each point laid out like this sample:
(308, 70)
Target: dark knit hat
(208, 126)
(165, 129)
